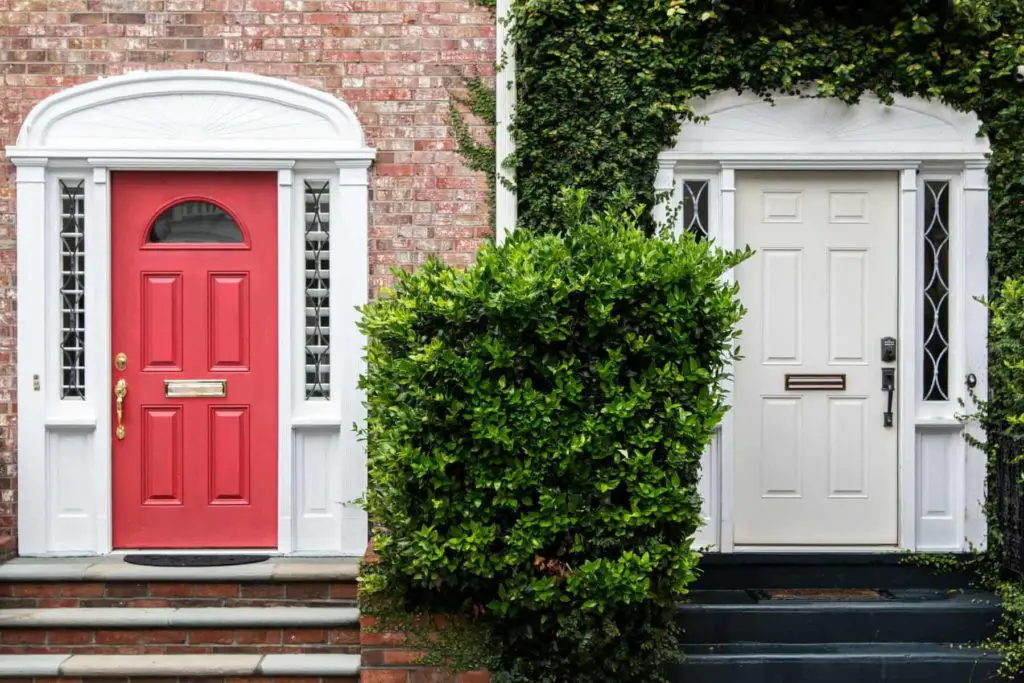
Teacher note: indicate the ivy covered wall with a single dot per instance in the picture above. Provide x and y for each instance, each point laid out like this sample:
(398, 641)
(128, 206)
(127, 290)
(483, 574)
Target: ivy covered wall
(603, 86)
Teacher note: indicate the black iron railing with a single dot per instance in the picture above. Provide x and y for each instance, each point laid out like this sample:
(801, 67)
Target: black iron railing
(1008, 488)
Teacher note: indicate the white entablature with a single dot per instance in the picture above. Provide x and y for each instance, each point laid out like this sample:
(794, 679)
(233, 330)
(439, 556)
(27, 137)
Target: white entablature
(183, 112)
(791, 126)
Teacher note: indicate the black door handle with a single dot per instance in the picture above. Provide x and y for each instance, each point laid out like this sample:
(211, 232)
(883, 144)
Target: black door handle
(889, 385)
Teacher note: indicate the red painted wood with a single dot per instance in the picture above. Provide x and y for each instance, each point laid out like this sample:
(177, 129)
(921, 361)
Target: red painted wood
(196, 472)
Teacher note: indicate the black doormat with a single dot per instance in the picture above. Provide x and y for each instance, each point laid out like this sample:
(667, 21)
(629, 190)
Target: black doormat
(194, 560)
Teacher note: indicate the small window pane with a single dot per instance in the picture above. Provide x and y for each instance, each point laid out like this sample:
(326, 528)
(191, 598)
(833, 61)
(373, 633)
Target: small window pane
(72, 288)
(695, 208)
(195, 222)
(936, 291)
(318, 290)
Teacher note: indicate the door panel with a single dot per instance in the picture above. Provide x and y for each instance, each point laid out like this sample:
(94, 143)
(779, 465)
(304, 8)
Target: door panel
(815, 467)
(192, 253)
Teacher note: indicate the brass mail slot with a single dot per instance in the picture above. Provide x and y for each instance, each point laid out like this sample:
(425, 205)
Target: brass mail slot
(816, 382)
(195, 388)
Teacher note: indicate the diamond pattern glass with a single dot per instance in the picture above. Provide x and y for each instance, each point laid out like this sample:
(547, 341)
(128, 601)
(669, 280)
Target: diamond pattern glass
(72, 288)
(318, 288)
(936, 291)
(695, 207)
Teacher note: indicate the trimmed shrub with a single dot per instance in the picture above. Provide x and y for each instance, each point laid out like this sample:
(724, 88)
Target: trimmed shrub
(535, 426)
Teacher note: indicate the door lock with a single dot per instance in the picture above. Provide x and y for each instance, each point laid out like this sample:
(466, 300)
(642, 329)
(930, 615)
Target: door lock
(888, 385)
(888, 349)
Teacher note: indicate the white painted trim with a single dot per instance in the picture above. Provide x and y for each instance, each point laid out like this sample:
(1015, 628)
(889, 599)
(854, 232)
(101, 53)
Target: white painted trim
(63, 137)
(975, 357)
(802, 135)
(907, 356)
(287, 226)
(505, 208)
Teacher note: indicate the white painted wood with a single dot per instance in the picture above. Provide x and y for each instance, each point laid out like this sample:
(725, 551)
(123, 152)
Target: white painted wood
(816, 467)
(745, 127)
(287, 273)
(801, 135)
(176, 120)
(98, 349)
(725, 234)
(975, 329)
(939, 480)
(318, 484)
(908, 352)
(505, 209)
(189, 111)
(31, 289)
(707, 535)
(353, 270)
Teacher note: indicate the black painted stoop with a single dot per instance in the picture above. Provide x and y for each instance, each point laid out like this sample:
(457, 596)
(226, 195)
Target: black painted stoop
(836, 618)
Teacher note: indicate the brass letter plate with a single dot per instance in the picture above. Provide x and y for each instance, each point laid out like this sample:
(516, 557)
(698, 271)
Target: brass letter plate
(195, 388)
(816, 382)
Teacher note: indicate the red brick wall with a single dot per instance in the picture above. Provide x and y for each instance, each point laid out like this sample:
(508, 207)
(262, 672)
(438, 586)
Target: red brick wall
(393, 61)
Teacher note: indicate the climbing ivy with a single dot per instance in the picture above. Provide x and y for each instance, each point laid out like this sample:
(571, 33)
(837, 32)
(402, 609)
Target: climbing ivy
(603, 85)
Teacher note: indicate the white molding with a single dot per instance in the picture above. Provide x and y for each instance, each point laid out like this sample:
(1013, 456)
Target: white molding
(505, 200)
(65, 136)
(210, 112)
(907, 355)
(975, 356)
(915, 138)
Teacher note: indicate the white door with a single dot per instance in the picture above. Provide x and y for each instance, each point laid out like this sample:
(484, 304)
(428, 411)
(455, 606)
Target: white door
(815, 461)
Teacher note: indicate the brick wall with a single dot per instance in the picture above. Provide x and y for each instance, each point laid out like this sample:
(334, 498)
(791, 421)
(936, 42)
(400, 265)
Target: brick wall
(393, 61)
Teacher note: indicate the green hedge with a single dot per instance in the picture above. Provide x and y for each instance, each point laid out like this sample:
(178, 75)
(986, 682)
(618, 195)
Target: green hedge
(535, 427)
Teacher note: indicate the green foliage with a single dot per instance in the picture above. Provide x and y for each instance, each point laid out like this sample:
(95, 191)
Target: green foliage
(603, 86)
(1002, 417)
(535, 425)
(481, 102)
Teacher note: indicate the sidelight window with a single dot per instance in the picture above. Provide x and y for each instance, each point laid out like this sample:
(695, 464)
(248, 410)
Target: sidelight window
(317, 289)
(935, 288)
(72, 288)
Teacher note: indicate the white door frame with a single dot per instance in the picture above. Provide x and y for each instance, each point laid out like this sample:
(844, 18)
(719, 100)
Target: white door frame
(187, 120)
(941, 479)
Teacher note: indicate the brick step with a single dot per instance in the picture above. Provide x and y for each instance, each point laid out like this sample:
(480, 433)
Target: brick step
(27, 583)
(202, 630)
(343, 668)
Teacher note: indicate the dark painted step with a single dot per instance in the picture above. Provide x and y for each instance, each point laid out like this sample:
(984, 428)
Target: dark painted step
(903, 616)
(740, 571)
(836, 663)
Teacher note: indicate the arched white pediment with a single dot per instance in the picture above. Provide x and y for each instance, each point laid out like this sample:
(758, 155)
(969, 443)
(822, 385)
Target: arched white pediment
(191, 110)
(741, 124)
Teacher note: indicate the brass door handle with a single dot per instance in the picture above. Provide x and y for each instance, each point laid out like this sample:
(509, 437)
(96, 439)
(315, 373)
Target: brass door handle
(120, 391)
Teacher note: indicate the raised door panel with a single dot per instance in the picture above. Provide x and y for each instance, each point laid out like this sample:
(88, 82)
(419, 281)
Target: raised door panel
(161, 321)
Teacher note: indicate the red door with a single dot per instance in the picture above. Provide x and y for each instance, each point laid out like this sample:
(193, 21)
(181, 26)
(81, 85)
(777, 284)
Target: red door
(195, 316)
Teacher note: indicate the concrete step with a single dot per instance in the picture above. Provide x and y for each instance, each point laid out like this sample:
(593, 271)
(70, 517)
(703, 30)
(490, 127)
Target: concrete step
(901, 616)
(835, 663)
(114, 568)
(179, 666)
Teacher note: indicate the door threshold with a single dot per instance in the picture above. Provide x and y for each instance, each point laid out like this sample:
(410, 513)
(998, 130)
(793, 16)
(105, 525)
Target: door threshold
(200, 551)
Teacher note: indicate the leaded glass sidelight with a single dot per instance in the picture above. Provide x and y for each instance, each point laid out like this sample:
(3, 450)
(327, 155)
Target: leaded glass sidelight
(936, 291)
(317, 290)
(72, 288)
(695, 207)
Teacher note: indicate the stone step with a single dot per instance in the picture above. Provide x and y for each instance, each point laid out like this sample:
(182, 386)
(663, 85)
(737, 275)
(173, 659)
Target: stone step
(889, 570)
(893, 616)
(835, 663)
(338, 666)
(114, 568)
